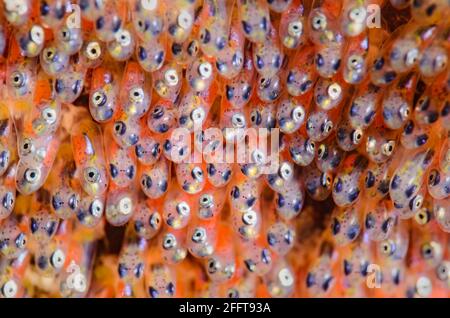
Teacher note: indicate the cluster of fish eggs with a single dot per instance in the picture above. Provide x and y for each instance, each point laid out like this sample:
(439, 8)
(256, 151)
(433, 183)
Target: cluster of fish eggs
(357, 92)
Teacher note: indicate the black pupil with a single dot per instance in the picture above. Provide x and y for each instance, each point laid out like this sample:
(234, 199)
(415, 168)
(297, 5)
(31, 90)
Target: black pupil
(91, 174)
